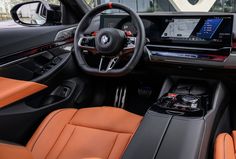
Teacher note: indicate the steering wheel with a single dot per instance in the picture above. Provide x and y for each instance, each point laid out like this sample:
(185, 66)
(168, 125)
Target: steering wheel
(110, 44)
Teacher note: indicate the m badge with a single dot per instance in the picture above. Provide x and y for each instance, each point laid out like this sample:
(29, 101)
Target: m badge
(186, 6)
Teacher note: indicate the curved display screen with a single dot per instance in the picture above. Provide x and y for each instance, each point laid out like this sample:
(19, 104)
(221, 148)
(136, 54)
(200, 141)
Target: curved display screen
(210, 30)
(207, 31)
(195, 31)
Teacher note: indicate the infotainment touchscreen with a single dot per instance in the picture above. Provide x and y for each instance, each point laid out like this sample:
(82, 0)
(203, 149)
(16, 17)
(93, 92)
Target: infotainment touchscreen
(180, 28)
(209, 28)
(184, 28)
(204, 31)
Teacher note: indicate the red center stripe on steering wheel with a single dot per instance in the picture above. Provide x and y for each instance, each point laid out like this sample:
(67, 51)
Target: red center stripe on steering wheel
(110, 5)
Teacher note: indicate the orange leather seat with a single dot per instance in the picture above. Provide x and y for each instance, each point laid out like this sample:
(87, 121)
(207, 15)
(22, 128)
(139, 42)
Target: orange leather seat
(225, 146)
(90, 133)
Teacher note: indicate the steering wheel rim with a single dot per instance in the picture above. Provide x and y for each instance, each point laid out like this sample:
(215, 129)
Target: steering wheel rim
(139, 45)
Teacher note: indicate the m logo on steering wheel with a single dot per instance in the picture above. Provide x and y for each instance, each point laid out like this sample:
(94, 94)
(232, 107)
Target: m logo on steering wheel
(104, 39)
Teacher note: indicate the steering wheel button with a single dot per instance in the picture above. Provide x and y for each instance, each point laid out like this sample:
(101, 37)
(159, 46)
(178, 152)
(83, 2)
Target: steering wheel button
(128, 33)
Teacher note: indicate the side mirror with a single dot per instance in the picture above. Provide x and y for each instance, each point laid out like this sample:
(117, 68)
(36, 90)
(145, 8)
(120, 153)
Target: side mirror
(36, 13)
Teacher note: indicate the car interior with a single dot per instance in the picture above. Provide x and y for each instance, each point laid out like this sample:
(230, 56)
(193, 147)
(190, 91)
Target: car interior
(86, 83)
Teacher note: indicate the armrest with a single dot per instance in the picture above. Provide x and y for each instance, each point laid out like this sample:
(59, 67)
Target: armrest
(12, 90)
(14, 152)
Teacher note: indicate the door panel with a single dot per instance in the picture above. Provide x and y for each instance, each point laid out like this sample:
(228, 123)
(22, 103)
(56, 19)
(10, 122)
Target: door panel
(15, 40)
(33, 54)
(36, 53)
(19, 120)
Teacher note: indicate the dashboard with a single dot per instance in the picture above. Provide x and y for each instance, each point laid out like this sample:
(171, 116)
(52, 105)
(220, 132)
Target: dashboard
(192, 38)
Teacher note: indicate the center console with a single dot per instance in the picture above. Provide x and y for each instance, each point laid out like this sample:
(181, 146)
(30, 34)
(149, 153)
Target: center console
(191, 99)
(181, 123)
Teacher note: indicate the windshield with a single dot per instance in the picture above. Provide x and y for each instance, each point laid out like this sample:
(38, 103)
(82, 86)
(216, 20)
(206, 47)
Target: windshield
(174, 5)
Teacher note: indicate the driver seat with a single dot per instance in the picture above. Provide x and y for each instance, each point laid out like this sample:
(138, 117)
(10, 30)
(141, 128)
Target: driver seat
(89, 133)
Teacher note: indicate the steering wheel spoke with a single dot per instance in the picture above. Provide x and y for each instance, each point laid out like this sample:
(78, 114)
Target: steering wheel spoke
(111, 64)
(129, 45)
(87, 43)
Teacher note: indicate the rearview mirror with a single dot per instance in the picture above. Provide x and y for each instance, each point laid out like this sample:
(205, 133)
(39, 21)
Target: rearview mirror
(35, 13)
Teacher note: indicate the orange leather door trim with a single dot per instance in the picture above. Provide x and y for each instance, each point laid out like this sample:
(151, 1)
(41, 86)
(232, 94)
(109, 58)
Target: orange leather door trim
(12, 90)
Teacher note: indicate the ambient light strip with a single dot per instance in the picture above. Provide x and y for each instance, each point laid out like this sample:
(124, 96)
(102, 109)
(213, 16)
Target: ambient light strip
(12, 90)
(186, 6)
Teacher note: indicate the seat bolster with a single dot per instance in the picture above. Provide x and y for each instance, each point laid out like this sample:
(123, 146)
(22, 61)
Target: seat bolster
(8, 151)
(105, 117)
(234, 140)
(224, 147)
(48, 132)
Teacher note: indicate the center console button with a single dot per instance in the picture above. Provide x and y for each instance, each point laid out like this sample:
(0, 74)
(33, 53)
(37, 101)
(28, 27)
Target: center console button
(190, 101)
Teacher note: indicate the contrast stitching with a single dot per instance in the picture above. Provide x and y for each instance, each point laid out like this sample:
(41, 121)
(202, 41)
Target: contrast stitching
(66, 143)
(73, 116)
(233, 137)
(55, 142)
(59, 136)
(224, 146)
(113, 146)
(102, 129)
(130, 138)
(44, 128)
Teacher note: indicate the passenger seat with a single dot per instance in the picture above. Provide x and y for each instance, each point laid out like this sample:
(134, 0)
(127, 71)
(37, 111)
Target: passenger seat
(225, 146)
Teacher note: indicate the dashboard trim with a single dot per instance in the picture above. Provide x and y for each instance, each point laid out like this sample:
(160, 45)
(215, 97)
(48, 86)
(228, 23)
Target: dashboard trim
(154, 55)
(23, 55)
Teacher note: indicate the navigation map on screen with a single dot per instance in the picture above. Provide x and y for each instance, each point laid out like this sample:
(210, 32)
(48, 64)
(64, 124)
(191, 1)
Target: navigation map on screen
(180, 28)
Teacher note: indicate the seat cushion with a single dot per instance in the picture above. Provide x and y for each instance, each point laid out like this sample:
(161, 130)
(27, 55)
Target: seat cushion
(225, 146)
(90, 133)
(8, 151)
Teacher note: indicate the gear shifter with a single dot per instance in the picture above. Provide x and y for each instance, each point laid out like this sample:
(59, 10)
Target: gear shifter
(187, 105)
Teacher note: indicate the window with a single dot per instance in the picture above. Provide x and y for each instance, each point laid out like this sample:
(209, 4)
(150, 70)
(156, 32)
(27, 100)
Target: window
(169, 5)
